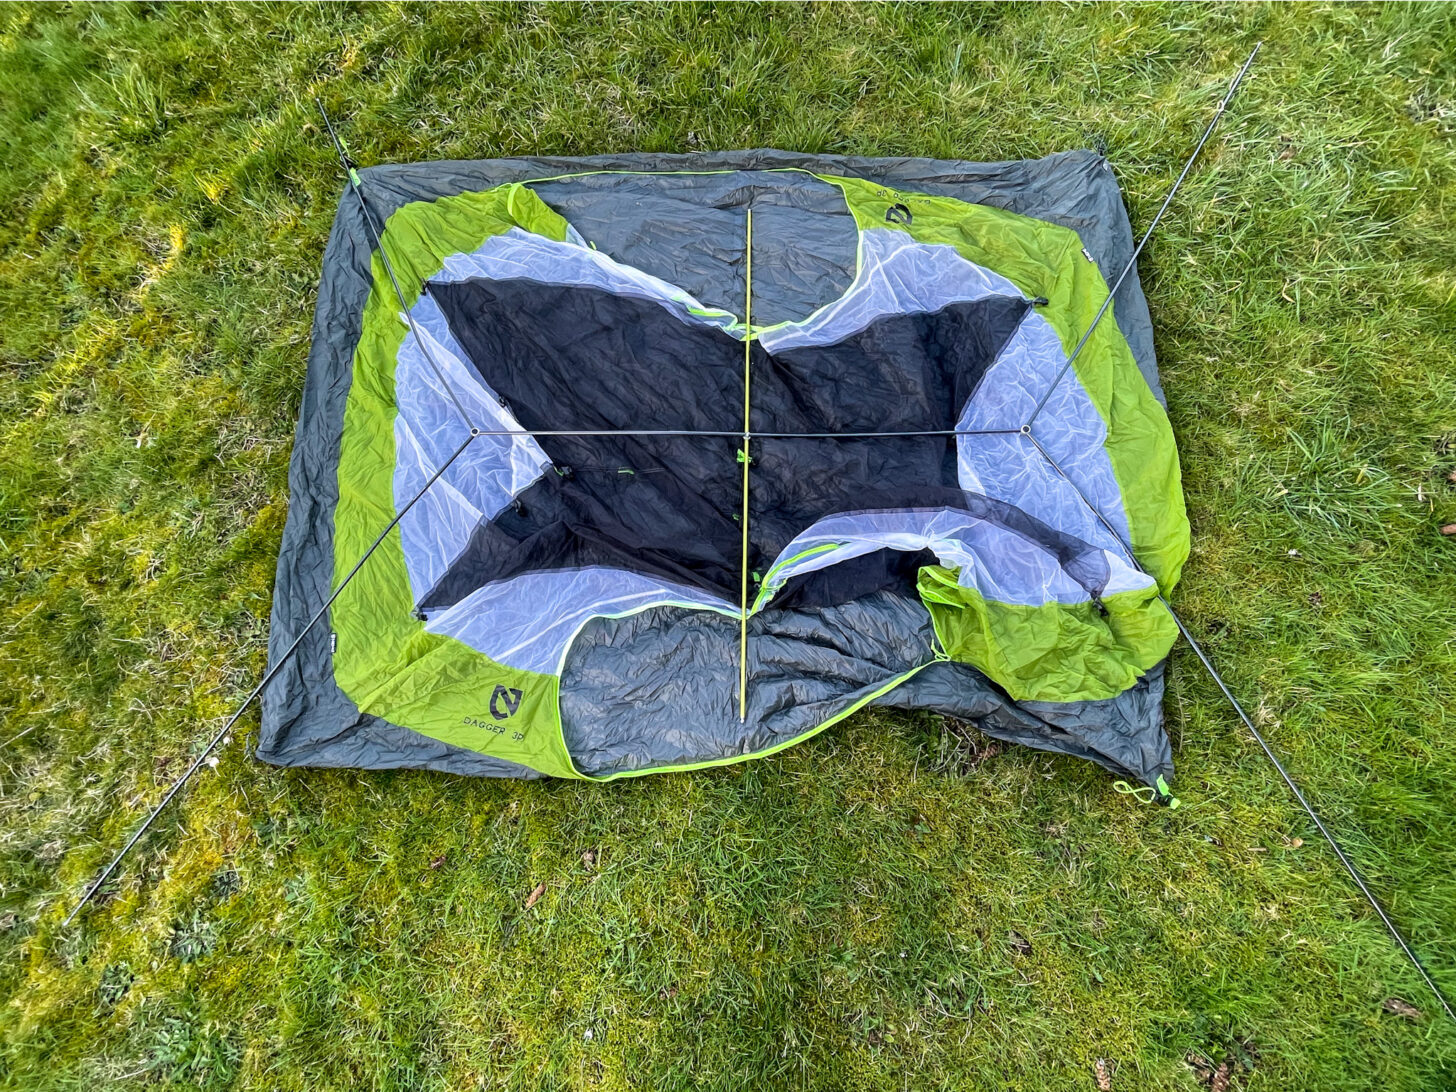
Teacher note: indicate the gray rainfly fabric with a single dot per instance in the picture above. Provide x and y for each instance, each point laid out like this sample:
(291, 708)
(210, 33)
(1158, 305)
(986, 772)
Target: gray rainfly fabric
(627, 673)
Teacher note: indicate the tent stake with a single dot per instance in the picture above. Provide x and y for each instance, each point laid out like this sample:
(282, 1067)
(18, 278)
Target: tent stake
(1187, 166)
(267, 678)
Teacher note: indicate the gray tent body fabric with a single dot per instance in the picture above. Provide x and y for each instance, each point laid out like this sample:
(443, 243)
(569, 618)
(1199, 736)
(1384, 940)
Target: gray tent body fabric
(629, 696)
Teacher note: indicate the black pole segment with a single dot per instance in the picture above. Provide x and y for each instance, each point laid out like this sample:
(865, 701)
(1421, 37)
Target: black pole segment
(1187, 166)
(267, 678)
(376, 236)
(1350, 866)
(1284, 774)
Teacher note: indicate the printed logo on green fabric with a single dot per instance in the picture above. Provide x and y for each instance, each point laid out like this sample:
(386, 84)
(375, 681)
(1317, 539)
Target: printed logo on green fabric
(504, 702)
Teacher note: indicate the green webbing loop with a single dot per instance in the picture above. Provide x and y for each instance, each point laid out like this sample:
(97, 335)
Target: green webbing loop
(743, 456)
(1128, 790)
(354, 177)
(1160, 794)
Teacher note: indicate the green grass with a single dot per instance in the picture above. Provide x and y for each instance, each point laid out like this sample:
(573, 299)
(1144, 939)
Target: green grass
(872, 910)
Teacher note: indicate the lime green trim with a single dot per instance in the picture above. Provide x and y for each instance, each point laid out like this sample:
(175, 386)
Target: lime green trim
(1050, 651)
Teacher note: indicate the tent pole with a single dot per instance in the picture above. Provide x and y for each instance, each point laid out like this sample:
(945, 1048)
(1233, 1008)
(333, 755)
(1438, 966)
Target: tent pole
(376, 235)
(1284, 774)
(744, 456)
(267, 678)
(525, 432)
(1187, 166)
(1350, 866)
(373, 228)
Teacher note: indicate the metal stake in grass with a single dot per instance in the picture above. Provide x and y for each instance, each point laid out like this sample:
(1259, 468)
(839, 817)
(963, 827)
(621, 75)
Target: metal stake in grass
(1350, 866)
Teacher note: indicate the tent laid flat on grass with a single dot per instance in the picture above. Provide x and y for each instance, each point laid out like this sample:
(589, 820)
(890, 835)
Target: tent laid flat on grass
(690, 457)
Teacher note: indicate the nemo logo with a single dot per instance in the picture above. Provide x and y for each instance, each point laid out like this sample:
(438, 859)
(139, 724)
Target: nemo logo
(504, 702)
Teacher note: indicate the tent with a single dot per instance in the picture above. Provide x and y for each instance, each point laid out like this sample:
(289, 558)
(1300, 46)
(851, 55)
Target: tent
(682, 459)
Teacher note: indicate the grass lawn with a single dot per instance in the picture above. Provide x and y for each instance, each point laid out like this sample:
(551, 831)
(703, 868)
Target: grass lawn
(885, 907)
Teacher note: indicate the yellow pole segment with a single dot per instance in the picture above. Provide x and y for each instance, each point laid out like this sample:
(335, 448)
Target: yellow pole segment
(743, 519)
